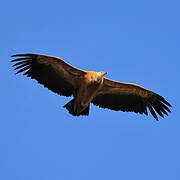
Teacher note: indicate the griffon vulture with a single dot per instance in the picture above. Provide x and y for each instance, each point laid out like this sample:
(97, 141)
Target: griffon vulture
(89, 87)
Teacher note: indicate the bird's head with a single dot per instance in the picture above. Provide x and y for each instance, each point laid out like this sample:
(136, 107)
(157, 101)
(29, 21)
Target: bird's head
(100, 76)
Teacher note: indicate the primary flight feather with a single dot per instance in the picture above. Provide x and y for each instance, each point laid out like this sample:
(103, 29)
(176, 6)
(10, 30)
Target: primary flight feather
(89, 87)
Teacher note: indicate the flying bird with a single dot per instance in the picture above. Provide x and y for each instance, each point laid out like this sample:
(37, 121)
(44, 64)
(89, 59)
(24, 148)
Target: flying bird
(88, 87)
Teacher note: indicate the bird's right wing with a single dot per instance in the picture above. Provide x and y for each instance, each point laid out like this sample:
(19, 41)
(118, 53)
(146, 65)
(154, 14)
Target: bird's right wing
(50, 71)
(130, 97)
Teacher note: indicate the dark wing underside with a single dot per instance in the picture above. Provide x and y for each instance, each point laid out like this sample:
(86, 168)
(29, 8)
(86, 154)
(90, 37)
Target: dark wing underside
(52, 72)
(131, 98)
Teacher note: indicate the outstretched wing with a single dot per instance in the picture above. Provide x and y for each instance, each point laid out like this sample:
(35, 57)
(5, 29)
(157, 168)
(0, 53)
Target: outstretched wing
(50, 71)
(130, 97)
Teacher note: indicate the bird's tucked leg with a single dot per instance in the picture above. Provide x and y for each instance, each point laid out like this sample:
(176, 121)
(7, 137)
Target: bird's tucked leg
(70, 107)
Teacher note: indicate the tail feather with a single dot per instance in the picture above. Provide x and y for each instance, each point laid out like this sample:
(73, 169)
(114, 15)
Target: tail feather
(85, 112)
(70, 107)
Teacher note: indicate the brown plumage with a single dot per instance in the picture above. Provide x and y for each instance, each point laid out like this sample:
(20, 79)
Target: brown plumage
(89, 87)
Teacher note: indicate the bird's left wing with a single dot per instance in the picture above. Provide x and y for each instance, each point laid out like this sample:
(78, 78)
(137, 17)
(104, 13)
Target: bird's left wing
(130, 97)
(50, 71)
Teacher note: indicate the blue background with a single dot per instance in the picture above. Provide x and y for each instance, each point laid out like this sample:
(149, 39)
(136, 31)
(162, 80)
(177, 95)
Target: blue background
(135, 41)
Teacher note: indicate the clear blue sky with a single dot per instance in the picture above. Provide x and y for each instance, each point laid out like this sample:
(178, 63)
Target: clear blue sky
(135, 41)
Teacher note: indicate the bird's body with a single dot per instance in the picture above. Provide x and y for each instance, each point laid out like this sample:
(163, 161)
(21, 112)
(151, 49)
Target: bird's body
(90, 84)
(89, 87)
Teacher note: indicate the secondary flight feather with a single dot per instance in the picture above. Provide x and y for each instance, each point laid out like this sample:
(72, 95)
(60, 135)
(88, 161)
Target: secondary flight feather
(89, 87)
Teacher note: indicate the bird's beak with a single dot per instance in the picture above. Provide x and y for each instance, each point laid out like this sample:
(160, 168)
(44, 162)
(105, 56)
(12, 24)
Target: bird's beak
(103, 73)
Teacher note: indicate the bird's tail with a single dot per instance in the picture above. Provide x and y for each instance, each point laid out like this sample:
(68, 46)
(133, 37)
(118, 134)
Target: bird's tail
(70, 107)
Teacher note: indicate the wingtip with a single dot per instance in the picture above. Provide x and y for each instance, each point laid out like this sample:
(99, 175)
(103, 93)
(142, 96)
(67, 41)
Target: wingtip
(168, 104)
(163, 100)
(15, 55)
(27, 54)
(155, 117)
